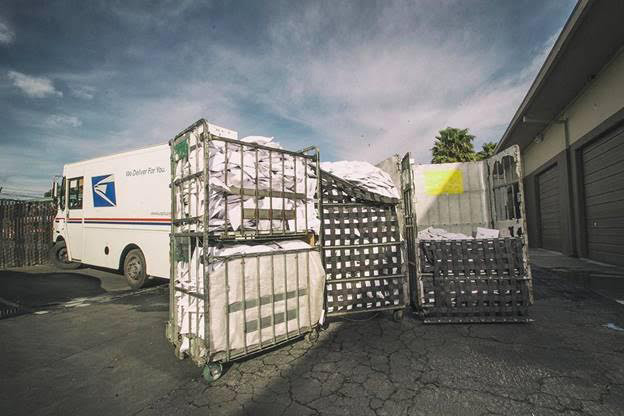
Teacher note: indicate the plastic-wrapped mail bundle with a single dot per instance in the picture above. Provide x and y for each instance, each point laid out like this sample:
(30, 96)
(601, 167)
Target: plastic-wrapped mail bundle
(364, 175)
(431, 233)
(235, 175)
(280, 293)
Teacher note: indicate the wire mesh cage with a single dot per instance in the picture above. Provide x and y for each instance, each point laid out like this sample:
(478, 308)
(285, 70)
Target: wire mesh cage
(243, 278)
(458, 278)
(474, 280)
(361, 248)
(234, 189)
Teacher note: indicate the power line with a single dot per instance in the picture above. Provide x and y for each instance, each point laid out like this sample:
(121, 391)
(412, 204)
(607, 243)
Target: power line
(17, 195)
(11, 192)
(22, 190)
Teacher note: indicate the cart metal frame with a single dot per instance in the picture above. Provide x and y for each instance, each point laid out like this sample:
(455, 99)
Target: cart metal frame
(463, 281)
(361, 250)
(183, 242)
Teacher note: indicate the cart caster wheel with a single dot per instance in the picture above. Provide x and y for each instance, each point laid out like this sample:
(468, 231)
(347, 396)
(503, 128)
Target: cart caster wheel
(397, 315)
(312, 336)
(212, 371)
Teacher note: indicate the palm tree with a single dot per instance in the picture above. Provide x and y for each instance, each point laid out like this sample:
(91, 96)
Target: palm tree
(486, 151)
(453, 145)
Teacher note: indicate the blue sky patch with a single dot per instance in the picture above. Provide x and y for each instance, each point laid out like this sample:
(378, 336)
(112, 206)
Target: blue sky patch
(360, 79)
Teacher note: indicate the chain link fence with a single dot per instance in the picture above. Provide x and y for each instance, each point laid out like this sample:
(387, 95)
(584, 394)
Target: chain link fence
(25, 232)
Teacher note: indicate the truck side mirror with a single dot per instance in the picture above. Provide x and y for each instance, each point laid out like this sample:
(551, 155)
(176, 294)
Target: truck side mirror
(57, 189)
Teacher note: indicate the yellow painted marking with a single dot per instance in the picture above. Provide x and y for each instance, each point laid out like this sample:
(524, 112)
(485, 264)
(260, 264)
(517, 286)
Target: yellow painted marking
(444, 182)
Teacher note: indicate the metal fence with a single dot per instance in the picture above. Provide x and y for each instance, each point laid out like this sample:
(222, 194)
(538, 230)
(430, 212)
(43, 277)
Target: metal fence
(25, 232)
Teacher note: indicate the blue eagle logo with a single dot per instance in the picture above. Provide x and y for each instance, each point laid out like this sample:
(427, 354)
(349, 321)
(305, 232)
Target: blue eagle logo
(104, 191)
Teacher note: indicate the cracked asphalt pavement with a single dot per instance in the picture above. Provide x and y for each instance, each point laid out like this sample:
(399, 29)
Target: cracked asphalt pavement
(111, 357)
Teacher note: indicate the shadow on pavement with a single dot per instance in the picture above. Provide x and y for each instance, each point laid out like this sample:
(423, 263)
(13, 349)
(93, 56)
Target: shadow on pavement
(567, 283)
(378, 366)
(34, 290)
(160, 303)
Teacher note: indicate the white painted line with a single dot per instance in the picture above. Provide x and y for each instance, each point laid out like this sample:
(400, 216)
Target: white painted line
(614, 327)
(105, 298)
(8, 302)
(615, 276)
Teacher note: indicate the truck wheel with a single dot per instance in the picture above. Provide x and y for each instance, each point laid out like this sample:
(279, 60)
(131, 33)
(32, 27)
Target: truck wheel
(59, 257)
(134, 269)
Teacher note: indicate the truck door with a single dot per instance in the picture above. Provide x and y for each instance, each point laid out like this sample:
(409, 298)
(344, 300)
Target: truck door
(74, 218)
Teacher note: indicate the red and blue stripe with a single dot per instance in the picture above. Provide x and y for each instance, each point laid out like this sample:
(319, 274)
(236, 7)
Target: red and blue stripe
(121, 221)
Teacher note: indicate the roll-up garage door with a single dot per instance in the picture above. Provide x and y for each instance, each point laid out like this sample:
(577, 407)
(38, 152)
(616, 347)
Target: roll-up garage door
(603, 181)
(550, 212)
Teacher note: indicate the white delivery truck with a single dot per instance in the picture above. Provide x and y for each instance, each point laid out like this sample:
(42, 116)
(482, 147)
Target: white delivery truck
(115, 212)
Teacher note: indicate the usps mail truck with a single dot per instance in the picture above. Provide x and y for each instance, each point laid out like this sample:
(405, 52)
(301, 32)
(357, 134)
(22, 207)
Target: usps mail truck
(115, 212)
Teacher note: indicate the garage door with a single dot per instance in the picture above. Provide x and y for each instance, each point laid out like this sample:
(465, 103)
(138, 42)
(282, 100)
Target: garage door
(550, 213)
(603, 180)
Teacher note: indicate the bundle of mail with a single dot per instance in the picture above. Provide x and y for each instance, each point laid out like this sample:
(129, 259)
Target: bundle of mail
(431, 233)
(364, 175)
(250, 300)
(241, 181)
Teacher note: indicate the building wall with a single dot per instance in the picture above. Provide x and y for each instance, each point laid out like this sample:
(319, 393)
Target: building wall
(598, 107)
(603, 97)
(531, 192)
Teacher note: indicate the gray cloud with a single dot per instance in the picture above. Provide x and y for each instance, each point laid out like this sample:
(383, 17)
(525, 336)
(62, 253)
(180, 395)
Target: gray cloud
(36, 87)
(85, 92)
(60, 120)
(7, 35)
(385, 94)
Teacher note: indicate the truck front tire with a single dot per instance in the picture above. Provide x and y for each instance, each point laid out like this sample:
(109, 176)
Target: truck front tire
(134, 269)
(60, 258)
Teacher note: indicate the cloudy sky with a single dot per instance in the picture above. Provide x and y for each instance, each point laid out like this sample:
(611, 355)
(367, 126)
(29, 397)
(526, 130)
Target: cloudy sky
(361, 79)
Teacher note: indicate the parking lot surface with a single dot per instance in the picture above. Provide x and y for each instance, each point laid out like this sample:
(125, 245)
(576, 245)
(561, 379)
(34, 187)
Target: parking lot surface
(101, 350)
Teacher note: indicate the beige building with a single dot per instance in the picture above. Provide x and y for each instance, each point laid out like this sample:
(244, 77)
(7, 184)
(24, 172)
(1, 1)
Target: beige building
(570, 127)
